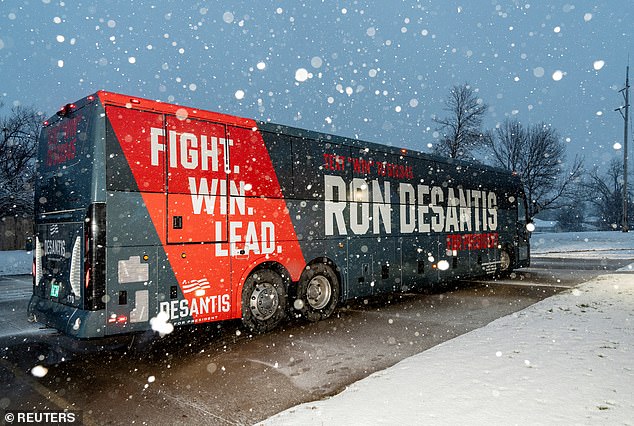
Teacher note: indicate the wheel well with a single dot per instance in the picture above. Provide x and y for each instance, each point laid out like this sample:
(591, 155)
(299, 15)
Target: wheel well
(509, 248)
(273, 266)
(277, 267)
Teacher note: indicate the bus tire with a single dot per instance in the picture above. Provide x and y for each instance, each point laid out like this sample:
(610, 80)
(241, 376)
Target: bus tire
(506, 262)
(317, 292)
(263, 301)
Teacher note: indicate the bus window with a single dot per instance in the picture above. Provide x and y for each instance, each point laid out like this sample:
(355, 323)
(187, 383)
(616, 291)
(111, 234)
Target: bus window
(521, 209)
(65, 161)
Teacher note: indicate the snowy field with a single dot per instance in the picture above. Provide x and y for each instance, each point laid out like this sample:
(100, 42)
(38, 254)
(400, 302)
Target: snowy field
(15, 262)
(613, 245)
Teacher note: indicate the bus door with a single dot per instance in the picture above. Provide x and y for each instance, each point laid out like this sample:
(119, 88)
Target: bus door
(197, 188)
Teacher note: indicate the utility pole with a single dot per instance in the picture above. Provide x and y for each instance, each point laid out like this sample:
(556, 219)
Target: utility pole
(624, 111)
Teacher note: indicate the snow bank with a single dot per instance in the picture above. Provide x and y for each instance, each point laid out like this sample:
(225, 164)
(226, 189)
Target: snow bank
(613, 245)
(15, 262)
(567, 359)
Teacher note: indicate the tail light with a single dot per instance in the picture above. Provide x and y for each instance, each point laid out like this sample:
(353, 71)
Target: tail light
(66, 109)
(95, 257)
(37, 264)
(33, 268)
(75, 268)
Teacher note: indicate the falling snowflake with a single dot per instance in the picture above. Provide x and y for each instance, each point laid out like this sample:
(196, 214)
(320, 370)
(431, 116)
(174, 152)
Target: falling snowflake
(558, 75)
(301, 74)
(227, 17)
(39, 371)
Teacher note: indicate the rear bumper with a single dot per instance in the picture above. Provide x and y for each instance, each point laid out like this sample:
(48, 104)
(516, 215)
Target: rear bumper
(70, 321)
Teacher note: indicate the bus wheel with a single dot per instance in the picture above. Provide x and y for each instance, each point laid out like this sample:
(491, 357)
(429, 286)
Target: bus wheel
(505, 263)
(263, 301)
(317, 292)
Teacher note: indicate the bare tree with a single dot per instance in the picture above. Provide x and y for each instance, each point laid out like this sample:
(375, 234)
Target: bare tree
(18, 142)
(605, 192)
(571, 216)
(461, 128)
(536, 155)
(510, 140)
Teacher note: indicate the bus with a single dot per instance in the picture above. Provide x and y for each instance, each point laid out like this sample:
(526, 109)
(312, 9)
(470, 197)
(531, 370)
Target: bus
(149, 212)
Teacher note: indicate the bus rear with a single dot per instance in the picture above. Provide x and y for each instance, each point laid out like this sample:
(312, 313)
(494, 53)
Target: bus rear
(68, 284)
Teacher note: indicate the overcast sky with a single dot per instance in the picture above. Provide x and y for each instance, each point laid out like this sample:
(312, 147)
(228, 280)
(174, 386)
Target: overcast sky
(378, 70)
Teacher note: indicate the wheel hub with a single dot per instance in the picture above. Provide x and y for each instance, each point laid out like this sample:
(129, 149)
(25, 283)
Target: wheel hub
(318, 292)
(264, 301)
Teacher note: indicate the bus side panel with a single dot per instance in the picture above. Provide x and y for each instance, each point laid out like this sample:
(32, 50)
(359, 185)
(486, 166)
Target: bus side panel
(258, 207)
(132, 294)
(132, 260)
(298, 164)
(142, 267)
(507, 222)
(375, 266)
(220, 230)
(194, 284)
(415, 262)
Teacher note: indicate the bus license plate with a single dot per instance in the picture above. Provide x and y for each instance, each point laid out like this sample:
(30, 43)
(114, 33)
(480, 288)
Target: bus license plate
(55, 290)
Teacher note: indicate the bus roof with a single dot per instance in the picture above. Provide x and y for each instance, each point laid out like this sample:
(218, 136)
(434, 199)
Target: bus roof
(111, 98)
(361, 144)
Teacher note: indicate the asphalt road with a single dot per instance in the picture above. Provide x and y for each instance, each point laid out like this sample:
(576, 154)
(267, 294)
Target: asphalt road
(218, 374)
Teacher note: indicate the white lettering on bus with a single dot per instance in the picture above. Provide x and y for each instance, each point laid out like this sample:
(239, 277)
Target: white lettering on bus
(216, 193)
(55, 247)
(198, 306)
(334, 206)
(256, 241)
(421, 209)
(187, 150)
(215, 196)
(407, 209)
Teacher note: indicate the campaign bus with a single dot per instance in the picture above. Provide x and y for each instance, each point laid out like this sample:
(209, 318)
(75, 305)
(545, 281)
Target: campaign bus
(146, 210)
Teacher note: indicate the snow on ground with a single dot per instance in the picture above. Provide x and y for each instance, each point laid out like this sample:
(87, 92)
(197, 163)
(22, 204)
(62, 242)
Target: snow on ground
(568, 359)
(15, 262)
(613, 245)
